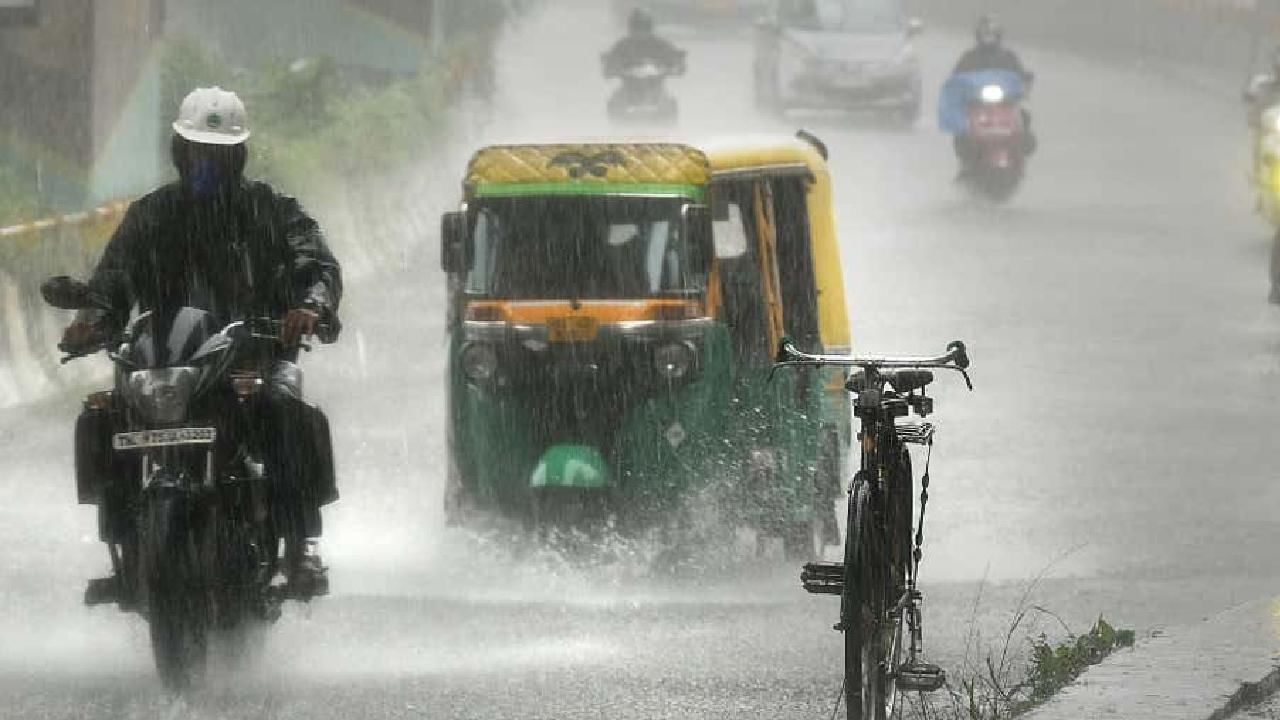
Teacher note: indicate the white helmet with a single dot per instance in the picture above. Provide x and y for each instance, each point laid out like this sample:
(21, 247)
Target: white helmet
(212, 116)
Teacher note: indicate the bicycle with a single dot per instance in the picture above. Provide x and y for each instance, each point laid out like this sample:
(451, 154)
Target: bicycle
(876, 581)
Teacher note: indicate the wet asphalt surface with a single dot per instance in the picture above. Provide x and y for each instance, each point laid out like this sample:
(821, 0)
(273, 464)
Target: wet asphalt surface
(1120, 441)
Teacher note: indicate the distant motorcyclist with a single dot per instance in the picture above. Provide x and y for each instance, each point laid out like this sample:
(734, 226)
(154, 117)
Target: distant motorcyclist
(643, 61)
(990, 53)
(1262, 93)
(1263, 90)
(642, 45)
(243, 250)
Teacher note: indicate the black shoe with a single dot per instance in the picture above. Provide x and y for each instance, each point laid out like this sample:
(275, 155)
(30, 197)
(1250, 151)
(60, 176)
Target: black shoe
(102, 591)
(308, 575)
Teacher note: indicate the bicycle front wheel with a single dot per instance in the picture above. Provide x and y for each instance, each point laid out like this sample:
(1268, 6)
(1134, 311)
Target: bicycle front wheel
(872, 625)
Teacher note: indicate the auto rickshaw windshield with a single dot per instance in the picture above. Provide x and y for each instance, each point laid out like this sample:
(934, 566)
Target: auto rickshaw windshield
(843, 15)
(581, 247)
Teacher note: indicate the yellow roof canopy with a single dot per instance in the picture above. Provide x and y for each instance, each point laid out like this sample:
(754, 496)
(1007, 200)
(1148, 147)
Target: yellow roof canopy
(589, 168)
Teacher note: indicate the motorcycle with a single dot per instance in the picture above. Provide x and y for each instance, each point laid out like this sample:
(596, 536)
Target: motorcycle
(174, 456)
(983, 110)
(1265, 179)
(642, 97)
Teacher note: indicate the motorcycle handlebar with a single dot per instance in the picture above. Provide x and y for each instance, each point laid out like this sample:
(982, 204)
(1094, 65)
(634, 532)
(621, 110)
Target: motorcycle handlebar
(260, 328)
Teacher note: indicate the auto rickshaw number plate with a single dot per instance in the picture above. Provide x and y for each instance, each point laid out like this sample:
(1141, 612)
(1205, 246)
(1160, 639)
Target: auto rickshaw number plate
(576, 328)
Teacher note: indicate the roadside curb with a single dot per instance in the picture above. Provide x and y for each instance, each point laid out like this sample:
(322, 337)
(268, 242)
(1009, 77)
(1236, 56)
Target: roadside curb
(1205, 671)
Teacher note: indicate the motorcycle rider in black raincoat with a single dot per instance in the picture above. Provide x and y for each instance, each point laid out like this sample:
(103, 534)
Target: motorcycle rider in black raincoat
(239, 249)
(639, 46)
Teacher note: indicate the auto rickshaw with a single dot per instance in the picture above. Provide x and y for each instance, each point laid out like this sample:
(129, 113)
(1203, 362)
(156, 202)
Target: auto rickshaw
(778, 265)
(611, 340)
(589, 375)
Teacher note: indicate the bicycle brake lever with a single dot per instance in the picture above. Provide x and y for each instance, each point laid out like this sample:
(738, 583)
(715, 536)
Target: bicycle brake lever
(967, 381)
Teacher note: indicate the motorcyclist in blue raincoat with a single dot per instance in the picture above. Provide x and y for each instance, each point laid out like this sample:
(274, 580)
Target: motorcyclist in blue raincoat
(990, 53)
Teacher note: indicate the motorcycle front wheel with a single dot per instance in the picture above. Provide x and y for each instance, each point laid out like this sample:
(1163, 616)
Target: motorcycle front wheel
(177, 613)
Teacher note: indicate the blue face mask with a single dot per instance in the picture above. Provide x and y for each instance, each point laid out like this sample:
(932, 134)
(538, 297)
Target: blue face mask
(205, 179)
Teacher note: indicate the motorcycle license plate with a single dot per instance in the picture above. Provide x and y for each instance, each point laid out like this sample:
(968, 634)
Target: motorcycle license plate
(169, 437)
(572, 329)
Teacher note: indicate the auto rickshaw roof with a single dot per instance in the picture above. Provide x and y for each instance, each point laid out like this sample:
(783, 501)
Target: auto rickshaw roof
(651, 168)
(733, 155)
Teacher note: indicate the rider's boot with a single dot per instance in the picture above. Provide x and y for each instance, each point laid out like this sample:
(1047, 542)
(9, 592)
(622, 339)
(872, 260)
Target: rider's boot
(102, 591)
(307, 574)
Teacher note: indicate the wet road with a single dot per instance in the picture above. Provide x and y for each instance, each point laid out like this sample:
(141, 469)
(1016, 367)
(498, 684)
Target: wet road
(1120, 439)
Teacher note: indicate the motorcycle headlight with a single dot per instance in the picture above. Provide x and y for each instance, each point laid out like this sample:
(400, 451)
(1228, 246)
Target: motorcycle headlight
(479, 362)
(674, 361)
(992, 94)
(162, 396)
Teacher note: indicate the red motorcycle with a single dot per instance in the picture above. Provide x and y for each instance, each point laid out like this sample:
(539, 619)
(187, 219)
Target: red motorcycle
(997, 157)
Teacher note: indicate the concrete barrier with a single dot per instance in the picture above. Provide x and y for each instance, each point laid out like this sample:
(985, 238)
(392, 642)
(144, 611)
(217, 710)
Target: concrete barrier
(29, 330)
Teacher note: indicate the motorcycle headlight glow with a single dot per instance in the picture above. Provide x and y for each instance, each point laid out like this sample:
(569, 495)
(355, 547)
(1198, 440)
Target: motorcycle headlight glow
(992, 94)
(674, 361)
(1275, 123)
(162, 396)
(479, 362)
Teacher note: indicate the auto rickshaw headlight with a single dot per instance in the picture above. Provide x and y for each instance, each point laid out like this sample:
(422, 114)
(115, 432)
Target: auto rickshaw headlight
(674, 361)
(479, 362)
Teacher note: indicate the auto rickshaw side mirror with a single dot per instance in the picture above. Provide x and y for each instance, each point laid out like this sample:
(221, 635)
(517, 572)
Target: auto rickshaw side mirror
(697, 228)
(915, 26)
(455, 243)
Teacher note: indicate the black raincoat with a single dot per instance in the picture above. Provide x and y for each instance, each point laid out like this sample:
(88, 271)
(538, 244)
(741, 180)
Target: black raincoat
(637, 49)
(248, 253)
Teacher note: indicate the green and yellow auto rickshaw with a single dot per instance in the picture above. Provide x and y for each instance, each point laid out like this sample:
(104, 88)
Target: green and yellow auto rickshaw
(589, 374)
(779, 270)
(611, 340)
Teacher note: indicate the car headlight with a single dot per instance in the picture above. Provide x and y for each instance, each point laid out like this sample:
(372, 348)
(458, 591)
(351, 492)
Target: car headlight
(674, 361)
(479, 362)
(162, 396)
(992, 94)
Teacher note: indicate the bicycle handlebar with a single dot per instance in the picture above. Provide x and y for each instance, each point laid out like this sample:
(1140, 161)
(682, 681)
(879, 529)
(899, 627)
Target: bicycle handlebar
(955, 359)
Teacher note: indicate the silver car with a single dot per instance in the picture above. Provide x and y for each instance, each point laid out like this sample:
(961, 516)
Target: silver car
(843, 54)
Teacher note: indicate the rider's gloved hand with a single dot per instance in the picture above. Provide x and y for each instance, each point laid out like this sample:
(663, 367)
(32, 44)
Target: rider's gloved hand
(81, 335)
(298, 323)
